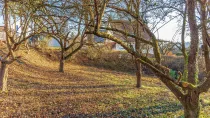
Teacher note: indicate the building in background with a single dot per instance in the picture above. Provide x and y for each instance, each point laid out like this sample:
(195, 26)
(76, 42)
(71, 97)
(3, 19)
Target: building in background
(129, 27)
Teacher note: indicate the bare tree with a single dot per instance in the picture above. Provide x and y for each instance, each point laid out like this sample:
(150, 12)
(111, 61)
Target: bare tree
(187, 92)
(58, 24)
(13, 39)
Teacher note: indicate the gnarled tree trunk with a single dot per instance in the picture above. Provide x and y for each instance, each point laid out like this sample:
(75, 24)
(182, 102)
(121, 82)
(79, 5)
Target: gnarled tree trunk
(191, 105)
(3, 76)
(191, 113)
(191, 100)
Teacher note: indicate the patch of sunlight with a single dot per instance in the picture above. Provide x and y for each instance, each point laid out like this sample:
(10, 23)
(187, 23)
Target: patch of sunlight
(152, 88)
(143, 92)
(35, 58)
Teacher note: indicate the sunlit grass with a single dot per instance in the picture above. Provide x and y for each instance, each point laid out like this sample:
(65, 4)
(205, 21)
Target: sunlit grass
(36, 89)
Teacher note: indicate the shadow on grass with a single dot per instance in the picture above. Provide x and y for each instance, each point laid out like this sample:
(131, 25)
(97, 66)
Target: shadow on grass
(110, 69)
(72, 89)
(150, 111)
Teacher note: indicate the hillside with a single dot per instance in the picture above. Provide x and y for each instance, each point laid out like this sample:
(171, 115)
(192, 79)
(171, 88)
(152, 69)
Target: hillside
(36, 89)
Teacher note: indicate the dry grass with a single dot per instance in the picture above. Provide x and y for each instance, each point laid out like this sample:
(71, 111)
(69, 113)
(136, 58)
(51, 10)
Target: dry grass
(36, 89)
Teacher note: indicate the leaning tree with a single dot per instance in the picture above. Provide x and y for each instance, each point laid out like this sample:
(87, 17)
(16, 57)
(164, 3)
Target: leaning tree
(186, 91)
(113, 17)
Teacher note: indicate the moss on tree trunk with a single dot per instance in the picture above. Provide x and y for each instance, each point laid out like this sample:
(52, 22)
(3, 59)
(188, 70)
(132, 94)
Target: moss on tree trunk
(191, 103)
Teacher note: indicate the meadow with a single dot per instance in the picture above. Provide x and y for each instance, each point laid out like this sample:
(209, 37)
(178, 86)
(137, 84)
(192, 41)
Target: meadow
(37, 89)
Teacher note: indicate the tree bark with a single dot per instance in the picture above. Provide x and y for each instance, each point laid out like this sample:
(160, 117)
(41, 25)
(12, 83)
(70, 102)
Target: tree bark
(191, 113)
(204, 36)
(184, 77)
(191, 100)
(4, 66)
(138, 74)
(3, 76)
(137, 63)
(89, 18)
(62, 61)
(193, 54)
(61, 66)
(137, 32)
(191, 105)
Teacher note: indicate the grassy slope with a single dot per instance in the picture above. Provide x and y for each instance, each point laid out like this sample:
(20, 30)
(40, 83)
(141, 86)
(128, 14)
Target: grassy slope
(36, 89)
